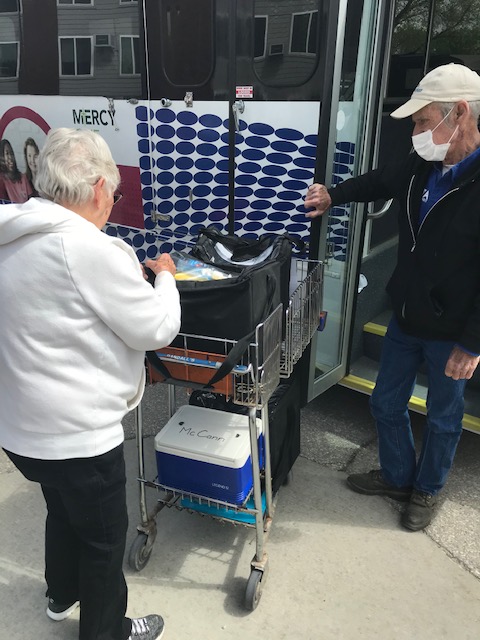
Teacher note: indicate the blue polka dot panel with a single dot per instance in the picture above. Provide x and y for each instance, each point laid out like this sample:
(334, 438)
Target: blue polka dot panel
(183, 158)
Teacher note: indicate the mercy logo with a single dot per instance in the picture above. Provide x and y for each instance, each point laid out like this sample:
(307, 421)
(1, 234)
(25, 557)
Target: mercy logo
(93, 117)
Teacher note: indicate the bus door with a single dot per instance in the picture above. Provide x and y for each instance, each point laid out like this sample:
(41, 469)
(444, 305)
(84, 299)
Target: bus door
(308, 86)
(348, 149)
(249, 103)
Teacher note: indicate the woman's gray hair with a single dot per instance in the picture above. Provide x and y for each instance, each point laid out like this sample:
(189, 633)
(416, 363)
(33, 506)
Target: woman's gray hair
(71, 162)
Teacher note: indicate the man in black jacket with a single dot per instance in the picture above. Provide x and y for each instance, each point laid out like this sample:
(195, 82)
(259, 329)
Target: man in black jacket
(435, 287)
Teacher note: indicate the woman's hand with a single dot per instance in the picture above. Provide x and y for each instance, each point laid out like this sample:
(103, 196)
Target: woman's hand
(162, 263)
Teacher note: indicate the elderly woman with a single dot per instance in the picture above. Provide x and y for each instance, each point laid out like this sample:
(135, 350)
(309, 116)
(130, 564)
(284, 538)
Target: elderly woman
(77, 317)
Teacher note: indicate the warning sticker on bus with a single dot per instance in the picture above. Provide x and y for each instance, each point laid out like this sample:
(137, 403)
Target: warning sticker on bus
(244, 92)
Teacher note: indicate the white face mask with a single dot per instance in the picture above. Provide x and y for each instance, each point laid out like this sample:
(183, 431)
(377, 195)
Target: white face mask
(425, 146)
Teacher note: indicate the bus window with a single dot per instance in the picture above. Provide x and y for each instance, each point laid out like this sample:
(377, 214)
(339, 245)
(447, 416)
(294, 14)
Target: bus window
(453, 36)
(285, 42)
(186, 37)
(82, 47)
(427, 34)
(351, 44)
(409, 41)
(9, 6)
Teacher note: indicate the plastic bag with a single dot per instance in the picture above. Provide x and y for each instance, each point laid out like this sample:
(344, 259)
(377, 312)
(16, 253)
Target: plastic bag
(190, 268)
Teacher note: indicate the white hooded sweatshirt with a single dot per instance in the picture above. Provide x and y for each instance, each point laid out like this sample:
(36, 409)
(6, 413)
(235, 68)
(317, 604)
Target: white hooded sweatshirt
(76, 317)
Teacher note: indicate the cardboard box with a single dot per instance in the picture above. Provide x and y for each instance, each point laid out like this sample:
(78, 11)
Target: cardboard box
(192, 366)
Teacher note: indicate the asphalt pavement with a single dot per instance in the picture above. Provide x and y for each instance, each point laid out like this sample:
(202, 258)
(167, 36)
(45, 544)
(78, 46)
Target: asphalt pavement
(340, 565)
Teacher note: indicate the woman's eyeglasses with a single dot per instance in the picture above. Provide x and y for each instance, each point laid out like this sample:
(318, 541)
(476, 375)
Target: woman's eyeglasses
(117, 196)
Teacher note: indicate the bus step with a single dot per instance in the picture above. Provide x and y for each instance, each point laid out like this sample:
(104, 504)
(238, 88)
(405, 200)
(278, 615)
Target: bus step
(362, 378)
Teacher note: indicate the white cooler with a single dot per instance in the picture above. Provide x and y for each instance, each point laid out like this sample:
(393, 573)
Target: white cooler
(206, 452)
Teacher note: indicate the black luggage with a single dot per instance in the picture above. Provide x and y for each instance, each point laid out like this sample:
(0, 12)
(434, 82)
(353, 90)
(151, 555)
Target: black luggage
(233, 307)
(284, 422)
(239, 254)
(229, 308)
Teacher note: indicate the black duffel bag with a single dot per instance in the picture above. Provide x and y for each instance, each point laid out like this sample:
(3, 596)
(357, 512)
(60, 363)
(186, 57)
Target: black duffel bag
(232, 308)
(229, 308)
(238, 254)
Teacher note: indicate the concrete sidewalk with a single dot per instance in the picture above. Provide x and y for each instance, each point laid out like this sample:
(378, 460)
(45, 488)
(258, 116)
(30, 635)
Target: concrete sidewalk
(341, 568)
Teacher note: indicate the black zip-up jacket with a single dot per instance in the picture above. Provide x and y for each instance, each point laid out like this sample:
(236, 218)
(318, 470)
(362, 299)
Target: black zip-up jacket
(435, 287)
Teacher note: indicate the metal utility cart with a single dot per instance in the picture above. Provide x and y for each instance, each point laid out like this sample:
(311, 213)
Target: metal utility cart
(250, 385)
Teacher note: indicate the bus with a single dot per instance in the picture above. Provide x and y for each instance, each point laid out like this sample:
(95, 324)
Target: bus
(223, 112)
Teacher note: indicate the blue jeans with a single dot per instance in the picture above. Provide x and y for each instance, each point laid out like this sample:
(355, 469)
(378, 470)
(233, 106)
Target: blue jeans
(401, 356)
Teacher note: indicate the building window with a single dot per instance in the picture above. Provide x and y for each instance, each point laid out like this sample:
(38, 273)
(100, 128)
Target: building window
(260, 39)
(128, 1)
(304, 33)
(72, 2)
(9, 6)
(8, 59)
(129, 56)
(76, 56)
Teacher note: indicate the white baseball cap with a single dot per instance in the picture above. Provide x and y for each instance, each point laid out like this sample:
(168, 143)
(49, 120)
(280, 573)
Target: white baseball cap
(448, 83)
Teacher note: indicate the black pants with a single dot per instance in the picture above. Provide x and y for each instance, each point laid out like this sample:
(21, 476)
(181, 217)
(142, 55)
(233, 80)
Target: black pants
(85, 537)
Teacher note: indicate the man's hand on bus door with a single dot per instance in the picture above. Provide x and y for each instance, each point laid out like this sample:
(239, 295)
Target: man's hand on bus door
(318, 198)
(163, 263)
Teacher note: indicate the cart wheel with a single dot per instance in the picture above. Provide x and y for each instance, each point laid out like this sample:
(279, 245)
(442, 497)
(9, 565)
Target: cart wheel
(253, 592)
(140, 552)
